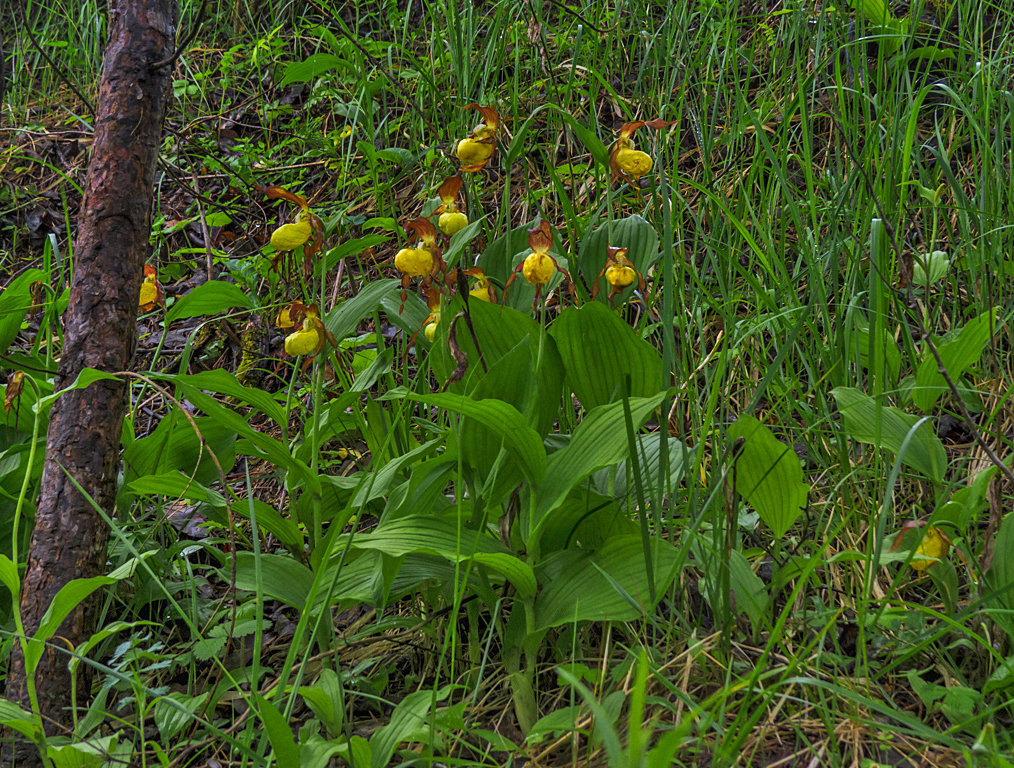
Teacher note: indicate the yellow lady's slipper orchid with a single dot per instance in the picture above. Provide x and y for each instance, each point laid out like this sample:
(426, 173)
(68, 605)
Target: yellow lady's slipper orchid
(430, 331)
(311, 335)
(619, 272)
(307, 230)
(422, 260)
(451, 218)
(620, 276)
(414, 262)
(538, 268)
(633, 162)
(626, 162)
(151, 290)
(475, 151)
(933, 547)
(289, 237)
(304, 341)
(452, 221)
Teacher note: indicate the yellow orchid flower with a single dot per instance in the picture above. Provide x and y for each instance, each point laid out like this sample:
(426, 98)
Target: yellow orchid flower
(476, 150)
(625, 161)
(151, 290)
(451, 218)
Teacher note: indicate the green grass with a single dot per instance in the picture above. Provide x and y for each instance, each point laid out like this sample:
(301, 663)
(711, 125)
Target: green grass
(336, 610)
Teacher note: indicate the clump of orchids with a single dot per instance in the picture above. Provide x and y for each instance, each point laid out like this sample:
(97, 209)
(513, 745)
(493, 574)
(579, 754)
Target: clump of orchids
(307, 230)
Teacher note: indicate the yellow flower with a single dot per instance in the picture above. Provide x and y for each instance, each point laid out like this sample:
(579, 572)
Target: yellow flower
(414, 262)
(311, 335)
(452, 221)
(633, 162)
(538, 268)
(475, 151)
(626, 162)
(430, 331)
(304, 341)
(151, 290)
(620, 276)
(934, 546)
(289, 237)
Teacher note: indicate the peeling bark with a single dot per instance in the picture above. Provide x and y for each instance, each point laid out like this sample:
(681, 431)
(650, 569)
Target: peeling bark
(69, 539)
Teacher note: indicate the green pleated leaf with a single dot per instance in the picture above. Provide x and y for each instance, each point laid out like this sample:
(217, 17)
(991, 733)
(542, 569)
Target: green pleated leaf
(429, 535)
(503, 421)
(282, 578)
(599, 351)
(410, 721)
(768, 475)
(598, 441)
(958, 351)
(283, 743)
(607, 584)
(889, 427)
(15, 300)
(209, 298)
(345, 318)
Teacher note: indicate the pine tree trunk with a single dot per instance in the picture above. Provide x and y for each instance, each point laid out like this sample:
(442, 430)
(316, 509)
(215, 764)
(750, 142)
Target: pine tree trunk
(69, 539)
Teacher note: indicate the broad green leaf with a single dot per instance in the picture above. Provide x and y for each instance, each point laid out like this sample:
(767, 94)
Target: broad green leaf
(10, 578)
(343, 320)
(884, 347)
(312, 68)
(84, 754)
(598, 441)
(409, 722)
(348, 248)
(66, 600)
(768, 475)
(889, 427)
(958, 351)
(225, 383)
(15, 301)
(515, 570)
(502, 420)
(16, 718)
(459, 240)
(378, 482)
(259, 443)
(599, 351)
(500, 330)
(1000, 577)
(210, 298)
(324, 698)
(582, 586)
(175, 484)
(283, 743)
(282, 578)
(186, 445)
(441, 536)
(749, 590)
(509, 380)
(427, 534)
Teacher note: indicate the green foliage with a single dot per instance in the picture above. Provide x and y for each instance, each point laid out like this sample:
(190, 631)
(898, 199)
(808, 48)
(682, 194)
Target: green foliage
(679, 492)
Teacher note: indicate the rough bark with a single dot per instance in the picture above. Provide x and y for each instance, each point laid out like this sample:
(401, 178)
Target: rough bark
(69, 539)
